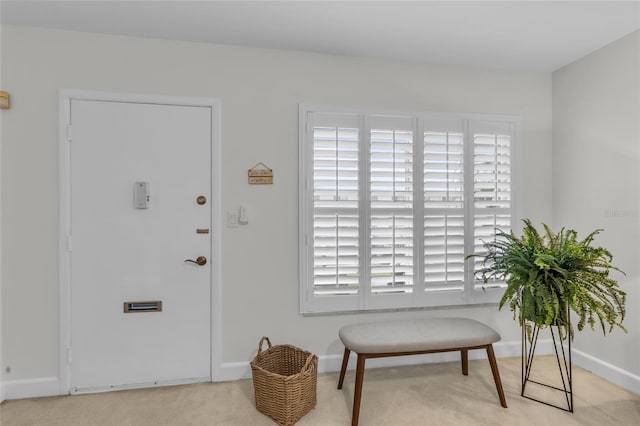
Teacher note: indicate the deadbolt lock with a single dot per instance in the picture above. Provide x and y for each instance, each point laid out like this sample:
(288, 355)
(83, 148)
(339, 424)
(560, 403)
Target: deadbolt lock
(201, 260)
(201, 200)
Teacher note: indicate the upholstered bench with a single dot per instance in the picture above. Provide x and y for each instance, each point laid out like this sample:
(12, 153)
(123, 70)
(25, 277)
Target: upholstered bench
(413, 337)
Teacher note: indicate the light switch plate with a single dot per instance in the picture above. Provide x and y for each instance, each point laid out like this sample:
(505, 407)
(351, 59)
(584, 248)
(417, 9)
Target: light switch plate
(141, 195)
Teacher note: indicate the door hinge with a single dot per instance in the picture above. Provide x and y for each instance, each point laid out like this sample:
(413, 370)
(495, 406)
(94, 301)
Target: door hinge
(69, 138)
(69, 243)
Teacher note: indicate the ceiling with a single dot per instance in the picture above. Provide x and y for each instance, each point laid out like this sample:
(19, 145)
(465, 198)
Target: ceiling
(520, 35)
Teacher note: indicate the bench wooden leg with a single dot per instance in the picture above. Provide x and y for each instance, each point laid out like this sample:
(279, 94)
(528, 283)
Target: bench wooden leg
(496, 375)
(357, 394)
(464, 355)
(345, 361)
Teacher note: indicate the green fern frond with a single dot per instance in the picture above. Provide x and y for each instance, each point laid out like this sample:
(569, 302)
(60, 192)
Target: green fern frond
(549, 274)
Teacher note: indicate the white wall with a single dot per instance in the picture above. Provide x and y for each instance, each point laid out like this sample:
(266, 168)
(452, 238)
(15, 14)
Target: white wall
(260, 91)
(596, 175)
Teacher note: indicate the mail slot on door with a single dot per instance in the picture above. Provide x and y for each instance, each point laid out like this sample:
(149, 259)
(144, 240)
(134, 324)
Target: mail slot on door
(148, 306)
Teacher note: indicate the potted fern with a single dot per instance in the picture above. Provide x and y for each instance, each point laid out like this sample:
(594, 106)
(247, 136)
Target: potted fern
(547, 276)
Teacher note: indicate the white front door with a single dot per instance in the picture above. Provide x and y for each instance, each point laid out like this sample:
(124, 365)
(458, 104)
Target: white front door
(140, 312)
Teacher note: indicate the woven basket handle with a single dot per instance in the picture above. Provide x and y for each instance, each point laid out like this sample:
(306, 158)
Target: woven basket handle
(308, 365)
(261, 342)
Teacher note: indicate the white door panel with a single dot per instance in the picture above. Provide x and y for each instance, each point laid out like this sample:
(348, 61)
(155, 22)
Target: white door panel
(120, 253)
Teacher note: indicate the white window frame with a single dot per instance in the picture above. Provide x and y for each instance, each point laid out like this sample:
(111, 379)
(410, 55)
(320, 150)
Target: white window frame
(473, 292)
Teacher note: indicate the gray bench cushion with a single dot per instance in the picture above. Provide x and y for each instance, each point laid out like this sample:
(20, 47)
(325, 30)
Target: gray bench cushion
(416, 335)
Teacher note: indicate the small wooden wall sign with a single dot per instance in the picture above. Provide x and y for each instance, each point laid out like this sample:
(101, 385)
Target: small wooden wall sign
(4, 100)
(260, 175)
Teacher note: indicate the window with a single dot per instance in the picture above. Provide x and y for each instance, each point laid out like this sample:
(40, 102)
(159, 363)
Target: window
(390, 205)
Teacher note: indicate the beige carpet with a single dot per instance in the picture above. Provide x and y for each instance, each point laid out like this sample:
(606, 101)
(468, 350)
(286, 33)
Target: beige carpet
(432, 394)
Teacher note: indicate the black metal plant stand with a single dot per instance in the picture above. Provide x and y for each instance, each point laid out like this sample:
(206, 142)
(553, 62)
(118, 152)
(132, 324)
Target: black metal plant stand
(564, 364)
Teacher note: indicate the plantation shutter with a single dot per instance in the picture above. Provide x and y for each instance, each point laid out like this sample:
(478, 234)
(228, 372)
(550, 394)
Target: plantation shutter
(444, 214)
(391, 205)
(492, 184)
(336, 233)
(391, 194)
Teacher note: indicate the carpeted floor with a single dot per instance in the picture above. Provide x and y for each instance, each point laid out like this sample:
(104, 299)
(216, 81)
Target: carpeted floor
(431, 394)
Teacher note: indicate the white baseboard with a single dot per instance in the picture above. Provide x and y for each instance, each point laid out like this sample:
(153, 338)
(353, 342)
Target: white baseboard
(31, 388)
(620, 377)
(609, 372)
(233, 371)
(49, 386)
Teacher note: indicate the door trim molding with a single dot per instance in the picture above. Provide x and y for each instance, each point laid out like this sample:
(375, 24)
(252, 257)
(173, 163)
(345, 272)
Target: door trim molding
(64, 210)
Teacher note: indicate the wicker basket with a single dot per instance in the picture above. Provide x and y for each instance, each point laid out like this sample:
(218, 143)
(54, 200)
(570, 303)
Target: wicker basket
(284, 380)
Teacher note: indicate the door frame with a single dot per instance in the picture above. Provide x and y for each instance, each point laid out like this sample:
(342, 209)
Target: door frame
(66, 96)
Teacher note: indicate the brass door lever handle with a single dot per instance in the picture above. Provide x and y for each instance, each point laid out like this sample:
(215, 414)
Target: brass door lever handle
(201, 260)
